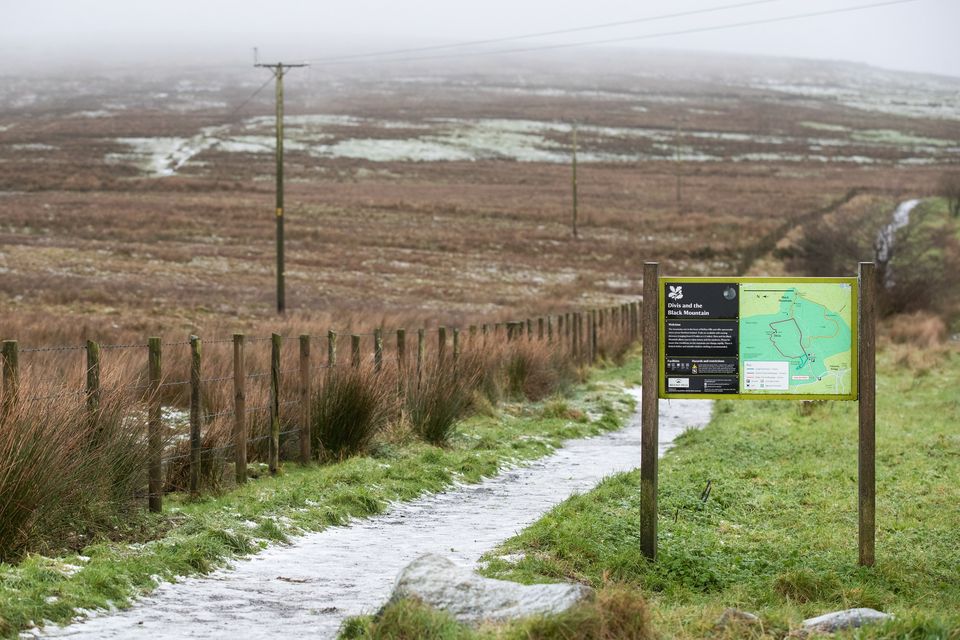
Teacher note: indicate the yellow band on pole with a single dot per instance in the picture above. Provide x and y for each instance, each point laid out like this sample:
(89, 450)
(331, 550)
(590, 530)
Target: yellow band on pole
(279, 211)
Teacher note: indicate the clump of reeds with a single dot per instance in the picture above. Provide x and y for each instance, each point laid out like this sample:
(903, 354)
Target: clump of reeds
(534, 370)
(67, 472)
(441, 395)
(350, 408)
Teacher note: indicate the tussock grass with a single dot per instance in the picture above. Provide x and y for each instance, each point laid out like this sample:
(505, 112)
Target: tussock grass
(441, 396)
(534, 370)
(68, 474)
(350, 409)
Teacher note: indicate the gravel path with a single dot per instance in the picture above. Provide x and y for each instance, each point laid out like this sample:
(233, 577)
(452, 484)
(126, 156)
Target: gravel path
(307, 588)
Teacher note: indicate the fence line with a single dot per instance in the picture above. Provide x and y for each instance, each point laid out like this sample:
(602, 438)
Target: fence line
(579, 335)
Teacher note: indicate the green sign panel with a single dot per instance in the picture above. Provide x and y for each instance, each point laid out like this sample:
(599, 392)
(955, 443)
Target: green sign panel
(787, 338)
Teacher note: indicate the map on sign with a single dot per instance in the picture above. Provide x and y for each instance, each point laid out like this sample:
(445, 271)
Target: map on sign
(795, 338)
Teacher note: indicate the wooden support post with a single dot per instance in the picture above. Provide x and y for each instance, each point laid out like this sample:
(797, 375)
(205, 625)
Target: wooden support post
(11, 375)
(378, 349)
(529, 329)
(484, 330)
(93, 377)
(473, 336)
(581, 346)
(154, 429)
(649, 412)
(239, 408)
(421, 339)
(456, 345)
(572, 327)
(355, 350)
(401, 357)
(549, 328)
(510, 331)
(560, 328)
(567, 320)
(196, 442)
(304, 399)
(441, 343)
(867, 389)
(276, 341)
(540, 324)
(594, 351)
(331, 350)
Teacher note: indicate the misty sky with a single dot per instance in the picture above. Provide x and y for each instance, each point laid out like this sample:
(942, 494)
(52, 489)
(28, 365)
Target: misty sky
(918, 36)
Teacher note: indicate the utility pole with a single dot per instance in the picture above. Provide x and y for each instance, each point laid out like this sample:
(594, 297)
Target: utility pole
(279, 69)
(574, 181)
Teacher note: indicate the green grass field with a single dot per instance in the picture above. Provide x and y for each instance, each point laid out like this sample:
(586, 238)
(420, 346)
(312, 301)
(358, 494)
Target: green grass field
(777, 534)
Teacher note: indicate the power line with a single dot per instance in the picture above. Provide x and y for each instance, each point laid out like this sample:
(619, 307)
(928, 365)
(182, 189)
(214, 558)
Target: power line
(252, 96)
(526, 36)
(647, 36)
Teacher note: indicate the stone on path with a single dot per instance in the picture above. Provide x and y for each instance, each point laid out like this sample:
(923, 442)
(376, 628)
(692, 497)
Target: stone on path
(471, 598)
(848, 619)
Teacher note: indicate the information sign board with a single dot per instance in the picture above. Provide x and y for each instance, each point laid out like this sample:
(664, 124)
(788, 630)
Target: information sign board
(787, 338)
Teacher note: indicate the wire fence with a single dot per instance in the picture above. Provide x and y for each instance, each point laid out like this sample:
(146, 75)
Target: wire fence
(172, 399)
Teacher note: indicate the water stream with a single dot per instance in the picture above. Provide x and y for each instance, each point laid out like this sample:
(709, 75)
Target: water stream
(307, 588)
(888, 234)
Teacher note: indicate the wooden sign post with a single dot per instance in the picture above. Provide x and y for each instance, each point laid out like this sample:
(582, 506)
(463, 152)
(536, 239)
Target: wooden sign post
(753, 338)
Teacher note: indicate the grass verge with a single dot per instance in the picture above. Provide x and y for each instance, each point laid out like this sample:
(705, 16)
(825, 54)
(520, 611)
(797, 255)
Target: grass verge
(777, 534)
(198, 536)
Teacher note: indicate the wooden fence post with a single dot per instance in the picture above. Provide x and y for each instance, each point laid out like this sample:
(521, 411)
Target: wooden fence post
(331, 350)
(378, 349)
(594, 352)
(867, 389)
(473, 336)
(276, 341)
(649, 412)
(484, 331)
(304, 399)
(574, 337)
(154, 428)
(441, 343)
(195, 404)
(560, 328)
(456, 345)
(583, 327)
(540, 328)
(239, 409)
(529, 329)
(401, 358)
(549, 328)
(11, 375)
(355, 350)
(421, 338)
(93, 377)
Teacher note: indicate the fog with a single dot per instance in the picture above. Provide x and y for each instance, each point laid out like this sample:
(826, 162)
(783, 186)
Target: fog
(61, 35)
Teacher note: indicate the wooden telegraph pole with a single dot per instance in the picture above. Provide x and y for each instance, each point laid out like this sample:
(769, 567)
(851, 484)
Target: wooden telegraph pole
(573, 180)
(279, 69)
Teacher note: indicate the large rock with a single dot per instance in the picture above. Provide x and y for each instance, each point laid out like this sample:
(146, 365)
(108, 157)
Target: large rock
(471, 598)
(848, 619)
